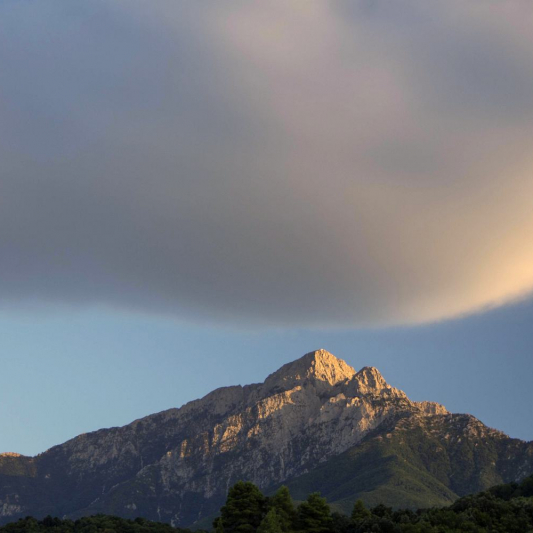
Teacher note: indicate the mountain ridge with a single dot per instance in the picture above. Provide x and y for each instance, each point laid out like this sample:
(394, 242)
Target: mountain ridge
(177, 465)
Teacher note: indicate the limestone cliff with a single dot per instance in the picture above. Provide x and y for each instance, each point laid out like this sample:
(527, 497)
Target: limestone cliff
(177, 465)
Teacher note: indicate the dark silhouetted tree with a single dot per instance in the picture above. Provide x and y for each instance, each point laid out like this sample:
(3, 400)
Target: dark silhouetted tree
(284, 506)
(314, 515)
(271, 523)
(244, 509)
(360, 512)
(217, 525)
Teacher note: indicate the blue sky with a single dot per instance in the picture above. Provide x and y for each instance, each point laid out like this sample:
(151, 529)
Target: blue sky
(194, 193)
(71, 373)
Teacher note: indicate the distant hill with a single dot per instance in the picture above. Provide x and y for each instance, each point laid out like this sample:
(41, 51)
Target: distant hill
(315, 425)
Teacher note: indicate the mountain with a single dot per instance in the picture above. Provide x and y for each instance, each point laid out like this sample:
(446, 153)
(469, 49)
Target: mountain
(315, 424)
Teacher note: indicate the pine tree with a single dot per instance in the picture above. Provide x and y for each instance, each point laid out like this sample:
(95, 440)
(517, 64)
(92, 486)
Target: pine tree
(284, 506)
(271, 523)
(244, 509)
(360, 512)
(314, 515)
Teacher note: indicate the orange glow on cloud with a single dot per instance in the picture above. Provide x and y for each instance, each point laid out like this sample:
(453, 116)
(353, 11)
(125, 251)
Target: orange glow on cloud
(275, 163)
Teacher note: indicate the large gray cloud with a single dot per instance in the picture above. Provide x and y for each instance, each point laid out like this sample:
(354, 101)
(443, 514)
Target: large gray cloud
(280, 162)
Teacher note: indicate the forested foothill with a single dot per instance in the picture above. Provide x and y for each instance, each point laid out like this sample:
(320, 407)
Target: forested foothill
(502, 509)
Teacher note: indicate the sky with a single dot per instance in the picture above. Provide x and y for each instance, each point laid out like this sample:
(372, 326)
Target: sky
(195, 193)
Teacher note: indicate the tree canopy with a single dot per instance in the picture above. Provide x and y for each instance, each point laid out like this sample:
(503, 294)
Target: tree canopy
(502, 509)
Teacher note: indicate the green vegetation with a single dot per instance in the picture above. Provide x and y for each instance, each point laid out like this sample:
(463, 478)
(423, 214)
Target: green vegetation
(413, 465)
(271, 523)
(502, 509)
(89, 524)
(244, 509)
(282, 503)
(314, 515)
(410, 462)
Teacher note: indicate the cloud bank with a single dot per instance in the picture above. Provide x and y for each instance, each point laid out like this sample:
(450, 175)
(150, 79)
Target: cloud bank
(280, 163)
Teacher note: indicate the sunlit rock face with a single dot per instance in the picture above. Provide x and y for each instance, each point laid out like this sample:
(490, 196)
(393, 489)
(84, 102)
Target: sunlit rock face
(177, 465)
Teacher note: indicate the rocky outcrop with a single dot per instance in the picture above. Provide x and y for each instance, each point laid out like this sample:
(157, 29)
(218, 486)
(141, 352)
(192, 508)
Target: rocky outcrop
(177, 465)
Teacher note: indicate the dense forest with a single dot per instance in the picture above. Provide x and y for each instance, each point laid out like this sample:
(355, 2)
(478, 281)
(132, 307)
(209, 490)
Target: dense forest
(502, 509)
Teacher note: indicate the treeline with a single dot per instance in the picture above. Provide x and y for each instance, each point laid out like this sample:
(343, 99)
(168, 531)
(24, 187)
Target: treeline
(89, 524)
(502, 509)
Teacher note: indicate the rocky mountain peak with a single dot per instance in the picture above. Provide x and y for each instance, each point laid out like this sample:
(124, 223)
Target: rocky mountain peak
(369, 381)
(176, 466)
(317, 366)
(371, 377)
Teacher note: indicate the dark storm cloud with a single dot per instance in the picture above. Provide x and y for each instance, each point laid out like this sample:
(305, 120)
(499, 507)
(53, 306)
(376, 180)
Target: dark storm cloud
(277, 163)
